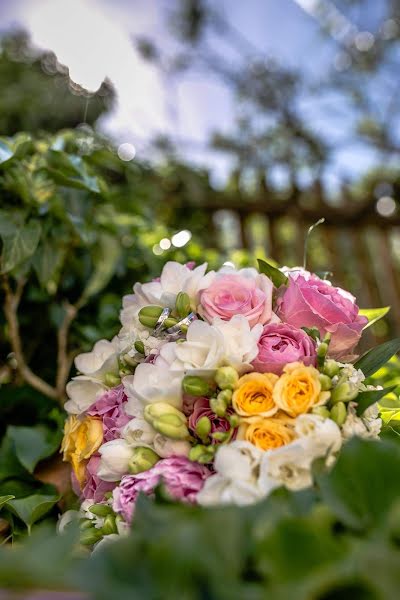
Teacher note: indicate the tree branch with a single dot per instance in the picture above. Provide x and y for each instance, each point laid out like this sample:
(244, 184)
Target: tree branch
(12, 300)
(65, 357)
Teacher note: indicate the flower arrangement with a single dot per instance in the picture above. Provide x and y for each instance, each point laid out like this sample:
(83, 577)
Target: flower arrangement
(219, 388)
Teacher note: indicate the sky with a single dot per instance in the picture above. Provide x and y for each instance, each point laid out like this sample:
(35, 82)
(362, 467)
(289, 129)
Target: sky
(94, 39)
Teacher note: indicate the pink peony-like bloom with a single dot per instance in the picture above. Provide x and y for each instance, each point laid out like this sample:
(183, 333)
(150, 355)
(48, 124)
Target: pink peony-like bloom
(95, 487)
(182, 478)
(110, 408)
(311, 302)
(244, 293)
(281, 344)
(201, 408)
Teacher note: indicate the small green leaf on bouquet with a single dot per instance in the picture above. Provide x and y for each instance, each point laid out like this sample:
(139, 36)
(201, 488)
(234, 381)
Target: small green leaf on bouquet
(32, 508)
(375, 358)
(373, 314)
(366, 399)
(276, 276)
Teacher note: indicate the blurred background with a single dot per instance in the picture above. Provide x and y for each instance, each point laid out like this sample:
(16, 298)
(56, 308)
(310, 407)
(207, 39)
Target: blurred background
(137, 131)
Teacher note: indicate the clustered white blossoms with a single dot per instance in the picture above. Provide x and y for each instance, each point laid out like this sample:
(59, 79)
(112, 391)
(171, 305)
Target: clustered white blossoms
(221, 385)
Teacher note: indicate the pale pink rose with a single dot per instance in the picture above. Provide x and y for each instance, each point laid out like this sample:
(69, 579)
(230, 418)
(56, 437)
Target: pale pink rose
(94, 487)
(281, 344)
(182, 478)
(201, 408)
(110, 407)
(312, 302)
(246, 293)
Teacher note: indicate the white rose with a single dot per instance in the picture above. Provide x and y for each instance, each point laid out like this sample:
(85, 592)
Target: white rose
(115, 457)
(82, 392)
(288, 465)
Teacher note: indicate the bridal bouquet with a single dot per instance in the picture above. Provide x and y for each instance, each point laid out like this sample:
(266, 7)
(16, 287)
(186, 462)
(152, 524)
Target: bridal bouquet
(219, 388)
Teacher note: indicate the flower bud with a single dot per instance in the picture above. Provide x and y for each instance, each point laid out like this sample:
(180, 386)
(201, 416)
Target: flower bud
(149, 315)
(111, 380)
(142, 460)
(182, 305)
(226, 396)
(131, 361)
(100, 510)
(344, 392)
(218, 406)
(109, 525)
(139, 346)
(234, 420)
(90, 536)
(85, 524)
(325, 381)
(339, 413)
(167, 419)
(322, 411)
(202, 454)
(322, 351)
(221, 436)
(195, 386)
(331, 367)
(226, 378)
(169, 322)
(203, 427)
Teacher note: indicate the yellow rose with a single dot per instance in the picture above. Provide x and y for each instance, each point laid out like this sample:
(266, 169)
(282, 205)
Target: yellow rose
(254, 395)
(298, 390)
(267, 433)
(81, 439)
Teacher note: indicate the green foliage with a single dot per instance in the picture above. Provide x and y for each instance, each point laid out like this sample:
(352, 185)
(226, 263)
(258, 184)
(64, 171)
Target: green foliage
(340, 540)
(373, 314)
(376, 357)
(277, 277)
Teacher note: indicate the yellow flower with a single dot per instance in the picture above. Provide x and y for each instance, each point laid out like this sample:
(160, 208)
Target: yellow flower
(298, 390)
(254, 395)
(267, 433)
(81, 439)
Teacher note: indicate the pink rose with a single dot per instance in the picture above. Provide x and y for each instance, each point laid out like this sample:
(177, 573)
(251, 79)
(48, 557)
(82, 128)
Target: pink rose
(310, 302)
(182, 478)
(201, 408)
(110, 408)
(246, 293)
(94, 487)
(281, 344)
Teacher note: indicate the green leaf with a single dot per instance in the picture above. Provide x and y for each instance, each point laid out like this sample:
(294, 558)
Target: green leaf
(366, 399)
(363, 484)
(32, 444)
(70, 171)
(5, 499)
(375, 358)
(105, 258)
(32, 508)
(373, 314)
(5, 152)
(48, 261)
(19, 244)
(276, 276)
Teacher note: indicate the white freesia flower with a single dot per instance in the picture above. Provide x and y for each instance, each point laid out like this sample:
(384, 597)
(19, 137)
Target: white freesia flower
(139, 432)
(166, 447)
(237, 476)
(174, 278)
(368, 426)
(82, 392)
(322, 436)
(101, 360)
(115, 457)
(152, 383)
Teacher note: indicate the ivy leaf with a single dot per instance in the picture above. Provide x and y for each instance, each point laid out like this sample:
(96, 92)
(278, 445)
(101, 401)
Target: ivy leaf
(276, 276)
(70, 171)
(19, 244)
(375, 358)
(366, 399)
(32, 444)
(32, 508)
(48, 261)
(373, 314)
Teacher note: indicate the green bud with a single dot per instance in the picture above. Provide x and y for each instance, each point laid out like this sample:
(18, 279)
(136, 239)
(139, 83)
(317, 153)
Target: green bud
(109, 526)
(325, 381)
(111, 380)
(169, 322)
(182, 305)
(327, 338)
(344, 392)
(322, 411)
(100, 510)
(221, 436)
(195, 386)
(322, 350)
(225, 396)
(142, 460)
(167, 419)
(149, 315)
(85, 524)
(130, 360)
(90, 536)
(139, 346)
(234, 420)
(123, 372)
(203, 427)
(339, 413)
(226, 378)
(202, 454)
(331, 367)
(218, 406)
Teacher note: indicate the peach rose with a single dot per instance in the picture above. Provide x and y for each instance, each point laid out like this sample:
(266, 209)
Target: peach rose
(298, 389)
(254, 395)
(267, 433)
(81, 439)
